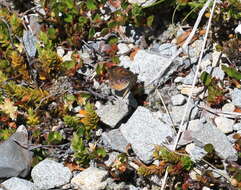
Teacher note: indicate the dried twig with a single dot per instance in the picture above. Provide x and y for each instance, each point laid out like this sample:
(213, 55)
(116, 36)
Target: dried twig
(184, 46)
(217, 170)
(167, 111)
(234, 115)
(164, 179)
(195, 76)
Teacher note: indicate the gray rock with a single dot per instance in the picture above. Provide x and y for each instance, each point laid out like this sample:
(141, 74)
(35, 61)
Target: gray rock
(49, 174)
(112, 114)
(112, 157)
(16, 183)
(148, 64)
(206, 188)
(231, 139)
(177, 113)
(112, 185)
(218, 73)
(123, 48)
(178, 100)
(237, 30)
(167, 49)
(194, 50)
(188, 80)
(29, 41)
(196, 153)
(224, 124)
(211, 135)
(216, 57)
(132, 187)
(90, 179)
(115, 140)
(15, 159)
(237, 126)
(193, 125)
(235, 95)
(143, 131)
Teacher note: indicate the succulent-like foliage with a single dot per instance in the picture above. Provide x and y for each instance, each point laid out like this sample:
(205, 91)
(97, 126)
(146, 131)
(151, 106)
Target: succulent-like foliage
(29, 94)
(90, 119)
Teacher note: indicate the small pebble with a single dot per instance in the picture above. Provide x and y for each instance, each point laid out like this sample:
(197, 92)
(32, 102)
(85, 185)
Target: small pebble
(235, 95)
(218, 73)
(237, 127)
(224, 124)
(60, 51)
(229, 107)
(178, 100)
(123, 48)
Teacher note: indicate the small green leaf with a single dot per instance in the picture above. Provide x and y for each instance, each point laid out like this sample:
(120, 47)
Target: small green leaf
(113, 40)
(5, 133)
(80, 131)
(91, 5)
(77, 143)
(209, 148)
(137, 10)
(99, 69)
(68, 65)
(206, 78)
(231, 72)
(104, 31)
(150, 20)
(101, 152)
(115, 59)
(91, 33)
(112, 24)
(187, 163)
(97, 18)
(54, 137)
(69, 3)
(83, 20)
(68, 19)
(52, 33)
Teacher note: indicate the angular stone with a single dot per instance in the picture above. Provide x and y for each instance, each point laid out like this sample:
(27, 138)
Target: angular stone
(211, 135)
(178, 100)
(224, 124)
(148, 64)
(49, 174)
(15, 159)
(218, 73)
(112, 114)
(115, 140)
(143, 131)
(235, 95)
(229, 107)
(16, 183)
(196, 153)
(177, 112)
(237, 127)
(90, 179)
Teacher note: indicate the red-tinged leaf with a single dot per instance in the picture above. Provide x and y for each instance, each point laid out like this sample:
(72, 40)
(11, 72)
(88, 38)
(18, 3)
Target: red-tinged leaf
(237, 109)
(73, 166)
(12, 125)
(133, 53)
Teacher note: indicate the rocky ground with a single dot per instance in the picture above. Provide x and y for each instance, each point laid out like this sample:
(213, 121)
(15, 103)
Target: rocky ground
(166, 117)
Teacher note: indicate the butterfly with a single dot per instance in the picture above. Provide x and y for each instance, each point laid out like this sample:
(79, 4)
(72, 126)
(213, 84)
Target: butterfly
(121, 79)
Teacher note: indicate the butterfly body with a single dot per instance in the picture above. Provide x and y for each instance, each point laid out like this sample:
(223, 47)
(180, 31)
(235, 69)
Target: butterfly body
(121, 79)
